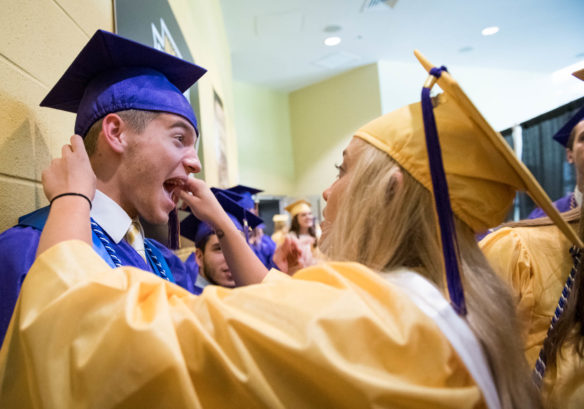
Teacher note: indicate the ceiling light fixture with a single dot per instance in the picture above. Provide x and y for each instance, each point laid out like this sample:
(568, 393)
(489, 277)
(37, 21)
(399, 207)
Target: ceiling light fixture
(489, 31)
(332, 41)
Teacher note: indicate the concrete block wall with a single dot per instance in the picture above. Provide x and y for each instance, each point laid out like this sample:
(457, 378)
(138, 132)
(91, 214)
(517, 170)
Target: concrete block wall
(39, 40)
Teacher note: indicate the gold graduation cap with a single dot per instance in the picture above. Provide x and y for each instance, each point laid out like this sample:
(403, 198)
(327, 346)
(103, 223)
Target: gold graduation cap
(579, 74)
(299, 206)
(444, 142)
(528, 183)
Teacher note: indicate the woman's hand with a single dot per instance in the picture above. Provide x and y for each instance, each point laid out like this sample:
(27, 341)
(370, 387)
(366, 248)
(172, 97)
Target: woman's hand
(71, 173)
(246, 268)
(203, 203)
(289, 257)
(69, 216)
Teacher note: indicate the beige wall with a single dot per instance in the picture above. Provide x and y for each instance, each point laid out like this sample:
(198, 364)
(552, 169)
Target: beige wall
(201, 22)
(40, 38)
(262, 117)
(289, 143)
(323, 118)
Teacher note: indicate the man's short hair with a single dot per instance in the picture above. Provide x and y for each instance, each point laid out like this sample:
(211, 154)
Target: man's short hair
(136, 120)
(202, 243)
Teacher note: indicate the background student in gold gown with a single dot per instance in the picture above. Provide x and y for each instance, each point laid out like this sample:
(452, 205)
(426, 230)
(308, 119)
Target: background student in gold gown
(533, 256)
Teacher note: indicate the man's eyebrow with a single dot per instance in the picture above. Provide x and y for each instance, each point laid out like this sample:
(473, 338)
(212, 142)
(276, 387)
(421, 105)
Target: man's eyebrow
(181, 124)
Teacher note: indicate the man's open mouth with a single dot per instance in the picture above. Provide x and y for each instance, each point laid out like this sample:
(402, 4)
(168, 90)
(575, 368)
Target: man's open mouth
(172, 186)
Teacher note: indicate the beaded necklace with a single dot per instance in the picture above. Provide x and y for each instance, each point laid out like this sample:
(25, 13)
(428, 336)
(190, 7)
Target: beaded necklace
(156, 265)
(573, 202)
(541, 363)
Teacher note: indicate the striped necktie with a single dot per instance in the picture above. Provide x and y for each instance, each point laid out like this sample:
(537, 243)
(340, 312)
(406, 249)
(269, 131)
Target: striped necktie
(135, 239)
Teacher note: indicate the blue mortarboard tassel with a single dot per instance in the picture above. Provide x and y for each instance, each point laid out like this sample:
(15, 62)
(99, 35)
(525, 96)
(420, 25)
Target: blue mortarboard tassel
(442, 199)
(173, 230)
(246, 229)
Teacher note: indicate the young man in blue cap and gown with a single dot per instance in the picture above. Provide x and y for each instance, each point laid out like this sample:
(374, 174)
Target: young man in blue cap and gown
(208, 259)
(571, 137)
(261, 244)
(140, 132)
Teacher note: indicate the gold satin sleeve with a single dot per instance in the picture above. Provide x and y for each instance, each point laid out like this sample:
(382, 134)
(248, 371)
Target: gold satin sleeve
(507, 255)
(333, 336)
(535, 262)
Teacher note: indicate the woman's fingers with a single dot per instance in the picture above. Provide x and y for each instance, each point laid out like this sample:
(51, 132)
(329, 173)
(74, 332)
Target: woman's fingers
(77, 143)
(65, 150)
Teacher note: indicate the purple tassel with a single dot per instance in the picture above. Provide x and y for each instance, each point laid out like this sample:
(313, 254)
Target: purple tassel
(442, 201)
(246, 228)
(173, 230)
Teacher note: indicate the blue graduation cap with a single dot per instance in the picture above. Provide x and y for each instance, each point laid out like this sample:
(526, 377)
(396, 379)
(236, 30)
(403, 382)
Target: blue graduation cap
(247, 193)
(563, 135)
(232, 195)
(112, 74)
(197, 230)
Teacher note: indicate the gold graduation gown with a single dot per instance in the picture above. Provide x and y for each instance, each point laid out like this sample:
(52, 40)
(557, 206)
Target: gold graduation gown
(334, 336)
(536, 262)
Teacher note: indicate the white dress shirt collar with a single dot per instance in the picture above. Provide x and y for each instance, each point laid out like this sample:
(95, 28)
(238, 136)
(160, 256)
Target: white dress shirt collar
(578, 196)
(110, 216)
(201, 281)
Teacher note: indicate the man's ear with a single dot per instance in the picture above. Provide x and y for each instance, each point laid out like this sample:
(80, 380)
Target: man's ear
(199, 258)
(569, 155)
(113, 128)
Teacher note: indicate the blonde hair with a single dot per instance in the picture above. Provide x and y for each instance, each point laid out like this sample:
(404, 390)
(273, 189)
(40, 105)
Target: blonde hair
(570, 216)
(384, 229)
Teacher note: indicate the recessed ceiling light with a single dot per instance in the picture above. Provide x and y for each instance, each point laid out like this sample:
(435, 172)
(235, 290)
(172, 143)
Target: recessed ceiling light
(332, 41)
(489, 31)
(466, 49)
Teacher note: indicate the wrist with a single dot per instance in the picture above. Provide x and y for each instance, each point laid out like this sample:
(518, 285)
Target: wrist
(223, 226)
(71, 199)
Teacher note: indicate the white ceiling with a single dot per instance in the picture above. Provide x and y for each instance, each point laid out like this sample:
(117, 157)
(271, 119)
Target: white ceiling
(279, 44)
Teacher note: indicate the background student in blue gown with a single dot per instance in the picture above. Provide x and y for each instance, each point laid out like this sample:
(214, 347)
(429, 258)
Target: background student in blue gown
(262, 245)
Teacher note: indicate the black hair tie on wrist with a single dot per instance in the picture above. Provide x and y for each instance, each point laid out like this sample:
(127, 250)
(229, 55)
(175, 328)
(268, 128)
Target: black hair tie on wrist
(71, 194)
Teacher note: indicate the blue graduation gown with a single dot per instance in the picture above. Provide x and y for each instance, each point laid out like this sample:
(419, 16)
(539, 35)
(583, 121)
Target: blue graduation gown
(563, 205)
(264, 249)
(18, 247)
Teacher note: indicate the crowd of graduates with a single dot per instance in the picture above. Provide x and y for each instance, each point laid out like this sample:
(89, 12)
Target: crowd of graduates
(390, 302)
